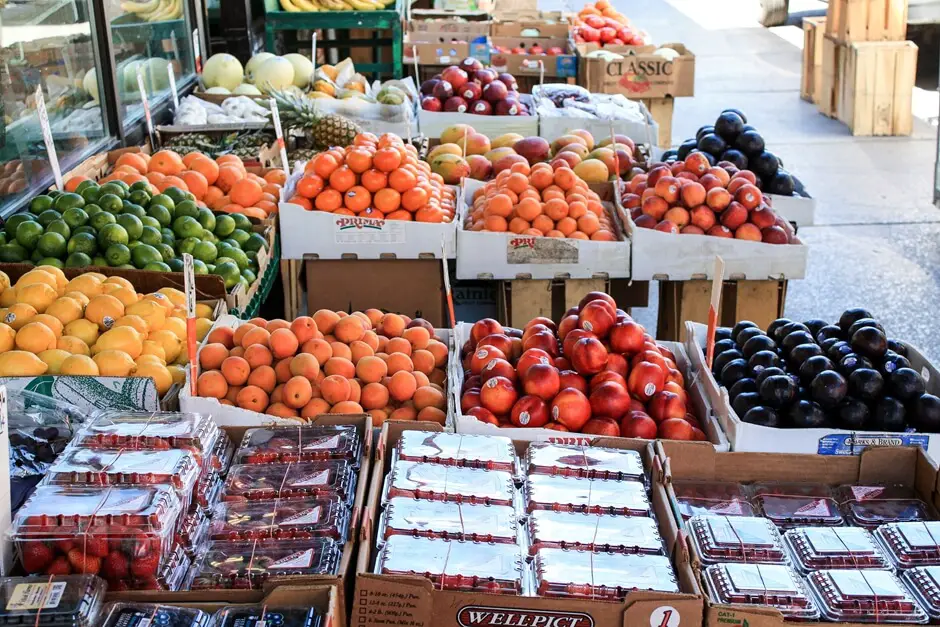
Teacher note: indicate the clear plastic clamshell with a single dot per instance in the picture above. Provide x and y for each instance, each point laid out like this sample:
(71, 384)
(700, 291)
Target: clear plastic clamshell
(247, 565)
(715, 498)
(910, 544)
(63, 601)
(268, 616)
(439, 482)
(820, 548)
(603, 533)
(455, 565)
(450, 521)
(864, 596)
(791, 505)
(871, 506)
(489, 452)
(610, 576)
(298, 519)
(924, 583)
(743, 539)
(590, 462)
(255, 482)
(123, 614)
(765, 585)
(595, 496)
(268, 445)
(107, 467)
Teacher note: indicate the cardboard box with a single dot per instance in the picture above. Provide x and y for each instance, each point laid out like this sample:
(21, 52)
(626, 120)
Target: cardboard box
(881, 466)
(552, 127)
(798, 209)
(420, 28)
(516, 9)
(488, 255)
(484, 6)
(548, 24)
(747, 437)
(440, 49)
(468, 424)
(384, 599)
(549, 66)
(640, 74)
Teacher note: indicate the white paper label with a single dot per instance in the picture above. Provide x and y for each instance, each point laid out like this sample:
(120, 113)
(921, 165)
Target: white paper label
(197, 56)
(47, 138)
(145, 102)
(300, 559)
(307, 517)
(317, 478)
(34, 596)
(189, 285)
(279, 134)
(173, 92)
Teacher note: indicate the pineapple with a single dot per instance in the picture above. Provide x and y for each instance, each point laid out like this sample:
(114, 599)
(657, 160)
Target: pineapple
(322, 129)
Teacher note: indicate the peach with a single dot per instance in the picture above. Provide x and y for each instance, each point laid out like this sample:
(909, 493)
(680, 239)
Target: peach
(691, 229)
(749, 232)
(469, 400)
(697, 163)
(734, 216)
(718, 198)
(665, 405)
(703, 217)
(667, 226)
(588, 356)
(719, 230)
(774, 235)
(571, 408)
(749, 196)
(667, 188)
(645, 222)
(655, 207)
(721, 174)
(709, 182)
(657, 173)
(572, 338)
(482, 356)
(498, 395)
(529, 411)
(693, 194)
(541, 380)
(749, 176)
(607, 376)
(678, 216)
(646, 380)
(609, 399)
(483, 415)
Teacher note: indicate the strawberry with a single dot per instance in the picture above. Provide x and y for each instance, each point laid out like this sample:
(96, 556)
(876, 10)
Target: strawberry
(145, 566)
(115, 566)
(59, 566)
(64, 546)
(96, 546)
(85, 564)
(36, 557)
(148, 583)
(118, 586)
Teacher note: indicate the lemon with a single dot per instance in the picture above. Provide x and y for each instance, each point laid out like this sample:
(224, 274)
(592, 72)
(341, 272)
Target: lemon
(88, 284)
(160, 299)
(178, 373)
(203, 326)
(18, 315)
(21, 364)
(203, 310)
(73, 345)
(177, 297)
(4, 281)
(160, 375)
(60, 279)
(35, 337)
(149, 359)
(54, 324)
(54, 358)
(183, 358)
(152, 347)
(39, 295)
(38, 275)
(120, 282)
(104, 310)
(113, 363)
(7, 338)
(152, 312)
(78, 296)
(133, 321)
(79, 365)
(179, 312)
(177, 326)
(65, 309)
(85, 330)
(124, 339)
(170, 342)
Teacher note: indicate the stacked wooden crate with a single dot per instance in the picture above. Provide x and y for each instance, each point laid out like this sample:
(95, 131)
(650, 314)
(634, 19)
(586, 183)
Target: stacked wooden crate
(867, 69)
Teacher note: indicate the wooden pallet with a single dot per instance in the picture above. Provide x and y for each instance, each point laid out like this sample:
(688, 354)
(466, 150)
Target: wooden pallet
(876, 87)
(811, 75)
(867, 20)
(761, 302)
(661, 109)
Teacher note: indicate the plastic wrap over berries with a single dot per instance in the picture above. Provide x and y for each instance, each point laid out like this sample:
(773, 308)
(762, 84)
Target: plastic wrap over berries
(455, 449)
(247, 565)
(67, 601)
(298, 444)
(40, 429)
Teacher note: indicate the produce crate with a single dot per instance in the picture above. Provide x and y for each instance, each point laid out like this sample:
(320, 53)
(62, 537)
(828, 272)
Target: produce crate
(759, 301)
(830, 76)
(640, 74)
(876, 86)
(867, 20)
(522, 300)
(661, 110)
(811, 76)
(253, 298)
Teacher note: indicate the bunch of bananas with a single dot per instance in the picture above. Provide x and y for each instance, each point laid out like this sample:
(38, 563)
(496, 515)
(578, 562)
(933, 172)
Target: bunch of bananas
(300, 6)
(154, 10)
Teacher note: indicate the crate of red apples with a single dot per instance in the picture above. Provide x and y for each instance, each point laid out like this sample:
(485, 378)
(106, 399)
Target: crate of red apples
(597, 373)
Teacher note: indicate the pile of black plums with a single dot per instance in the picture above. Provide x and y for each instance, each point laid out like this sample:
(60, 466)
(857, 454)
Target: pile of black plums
(733, 140)
(817, 375)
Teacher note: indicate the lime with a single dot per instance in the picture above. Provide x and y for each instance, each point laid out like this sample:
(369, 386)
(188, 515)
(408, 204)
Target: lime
(231, 242)
(92, 209)
(224, 225)
(13, 253)
(51, 261)
(150, 236)
(15, 220)
(176, 264)
(112, 234)
(223, 259)
(166, 251)
(111, 203)
(101, 220)
(83, 243)
(114, 188)
(35, 256)
(160, 213)
(158, 266)
(100, 261)
(131, 224)
(168, 237)
(124, 185)
(67, 201)
(199, 267)
(249, 275)
(85, 185)
(210, 268)
(206, 219)
(163, 200)
(187, 245)
(52, 245)
(91, 194)
(142, 254)
(133, 210)
(75, 217)
(186, 208)
(117, 255)
(85, 229)
(187, 227)
(48, 216)
(254, 244)
(28, 233)
(60, 227)
(139, 197)
(77, 260)
(3, 237)
(205, 251)
(175, 193)
(242, 223)
(244, 283)
(140, 186)
(54, 193)
(240, 237)
(239, 257)
(39, 204)
(150, 221)
(229, 272)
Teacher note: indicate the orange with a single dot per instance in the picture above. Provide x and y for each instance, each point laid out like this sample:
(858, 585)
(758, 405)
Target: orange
(211, 384)
(74, 182)
(172, 181)
(373, 180)
(329, 200)
(517, 182)
(133, 160)
(245, 192)
(324, 164)
(387, 159)
(387, 200)
(234, 159)
(166, 162)
(196, 183)
(357, 199)
(205, 166)
(414, 199)
(401, 214)
(228, 176)
(276, 177)
(297, 392)
(310, 185)
(252, 398)
(212, 355)
(303, 202)
(499, 205)
(271, 190)
(235, 370)
(212, 196)
(229, 207)
(342, 179)
(358, 160)
(401, 180)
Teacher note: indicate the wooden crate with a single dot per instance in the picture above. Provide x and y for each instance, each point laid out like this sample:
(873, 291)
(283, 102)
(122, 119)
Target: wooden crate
(876, 87)
(522, 300)
(867, 20)
(761, 302)
(811, 76)
(661, 109)
(831, 72)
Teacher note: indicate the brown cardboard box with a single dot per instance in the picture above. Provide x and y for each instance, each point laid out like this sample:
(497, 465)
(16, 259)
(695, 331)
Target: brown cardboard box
(564, 65)
(342, 582)
(384, 600)
(907, 466)
(441, 27)
(640, 74)
(414, 287)
(547, 24)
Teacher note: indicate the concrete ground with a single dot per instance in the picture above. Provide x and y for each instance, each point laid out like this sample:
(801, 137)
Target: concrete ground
(876, 242)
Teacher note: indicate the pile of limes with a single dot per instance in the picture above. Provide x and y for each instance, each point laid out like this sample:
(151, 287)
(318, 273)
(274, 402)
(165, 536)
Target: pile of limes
(126, 226)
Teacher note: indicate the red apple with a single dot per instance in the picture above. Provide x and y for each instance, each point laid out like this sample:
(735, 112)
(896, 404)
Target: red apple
(763, 217)
(557, 426)
(610, 399)
(645, 381)
(749, 232)
(542, 381)
(588, 356)
(571, 408)
(720, 230)
(500, 341)
(572, 338)
(455, 76)
(430, 103)
(601, 296)
(774, 235)
(471, 91)
(455, 104)
(529, 411)
(481, 107)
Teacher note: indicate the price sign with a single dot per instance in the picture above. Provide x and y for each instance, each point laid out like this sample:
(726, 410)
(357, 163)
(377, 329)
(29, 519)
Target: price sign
(173, 92)
(279, 134)
(197, 56)
(189, 288)
(146, 103)
(47, 137)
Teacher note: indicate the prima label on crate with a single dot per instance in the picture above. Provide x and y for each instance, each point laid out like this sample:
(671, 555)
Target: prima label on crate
(540, 250)
(355, 230)
(855, 443)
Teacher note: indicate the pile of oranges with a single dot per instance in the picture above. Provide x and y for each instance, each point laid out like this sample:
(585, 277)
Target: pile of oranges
(386, 364)
(375, 177)
(541, 200)
(221, 184)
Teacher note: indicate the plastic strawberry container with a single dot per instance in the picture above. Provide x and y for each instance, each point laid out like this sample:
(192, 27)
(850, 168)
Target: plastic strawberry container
(590, 462)
(438, 482)
(714, 498)
(124, 614)
(489, 452)
(267, 616)
(208, 491)
(720, 539)
(299, 519)
(253, 482)
(605, 576)
(605, 533)
(791, 505)
(66, 601)
(114, 467)
(269, 445)
(247, 565)
(450, 521)
(910, 544)
(863, 596)
(594, 496)
(764, 585)
(124, 534)
(822, 548)
(455, 565)
(193, 531)
(871, 506)
(924, 584)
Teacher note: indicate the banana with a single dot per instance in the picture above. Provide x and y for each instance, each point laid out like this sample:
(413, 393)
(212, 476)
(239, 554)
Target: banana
(139, 7)
(361, 5)
(288, 6)
(305, 5)
(162, 6)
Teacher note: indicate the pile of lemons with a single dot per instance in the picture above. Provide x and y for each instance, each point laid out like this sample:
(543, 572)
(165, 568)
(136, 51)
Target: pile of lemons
(93, 325)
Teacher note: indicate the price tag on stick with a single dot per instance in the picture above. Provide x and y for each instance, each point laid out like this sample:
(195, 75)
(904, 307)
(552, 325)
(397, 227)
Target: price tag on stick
(6, 546)
(146, 103)
(717, 283)
(173, 91)
(189, 288)
(47, 138)
(279, 134)
(313, 55)
(447, 291)
(197, 55)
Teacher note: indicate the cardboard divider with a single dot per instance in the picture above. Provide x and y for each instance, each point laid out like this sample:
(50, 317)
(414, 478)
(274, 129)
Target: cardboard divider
(641, 73)
(384, 599)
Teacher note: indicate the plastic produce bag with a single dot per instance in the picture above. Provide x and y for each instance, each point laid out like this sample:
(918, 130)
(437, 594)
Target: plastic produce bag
(40, 429)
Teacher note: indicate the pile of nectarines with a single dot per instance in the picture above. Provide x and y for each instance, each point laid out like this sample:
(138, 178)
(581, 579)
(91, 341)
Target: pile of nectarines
(601, 23)
(693, 197)
(383, 363)
(597, 372)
